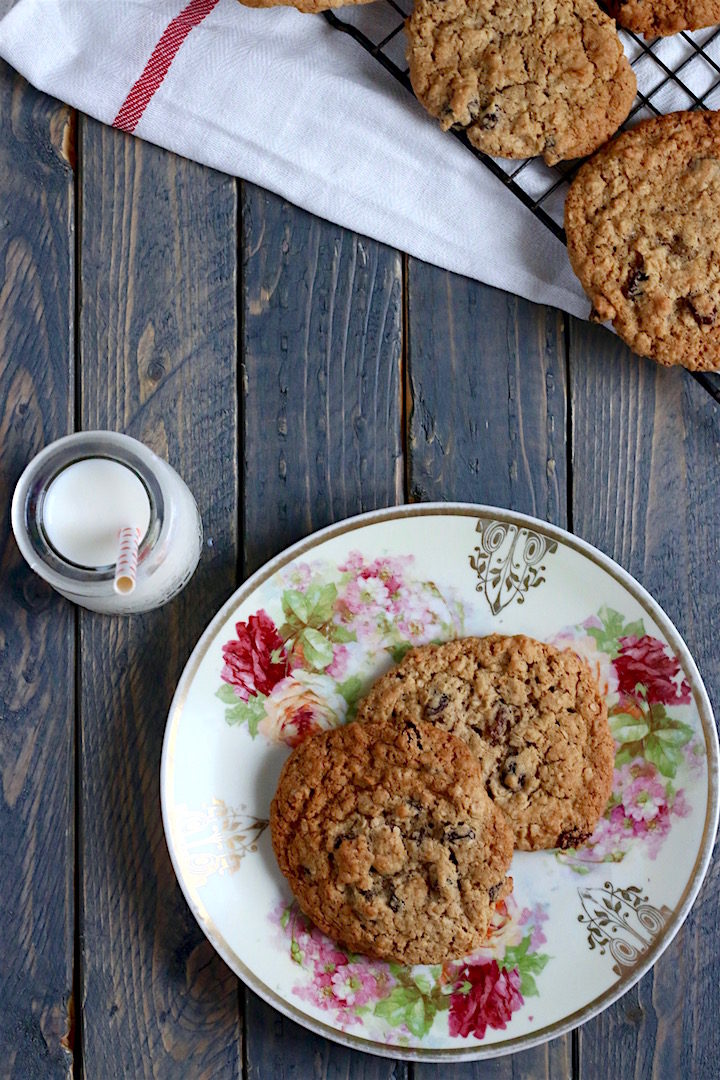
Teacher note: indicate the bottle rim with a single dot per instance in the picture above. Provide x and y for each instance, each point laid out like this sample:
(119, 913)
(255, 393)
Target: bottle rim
(28, 505)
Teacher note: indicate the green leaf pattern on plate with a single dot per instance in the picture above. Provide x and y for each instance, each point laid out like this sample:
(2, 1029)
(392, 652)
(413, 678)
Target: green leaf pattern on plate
(402, 1004)
(303, 665)
(646, 697)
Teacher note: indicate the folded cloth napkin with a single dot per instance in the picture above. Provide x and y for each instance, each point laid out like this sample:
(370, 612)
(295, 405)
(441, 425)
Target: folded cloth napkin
(284, 100)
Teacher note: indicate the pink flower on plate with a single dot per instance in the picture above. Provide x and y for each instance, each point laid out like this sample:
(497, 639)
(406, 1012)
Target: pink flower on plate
(619, 820)
(364, 594)
(371, 629)
(346, 1018)
(256, 661)
(643, 793)
(631, 771)
(607, 839)
(642, 777)
(647, 661)
(298, 576)
(656, 831)
(388, 570)
(413, 617)
(354, 985)
(300, 705)
(536, 917)
(645, 806)
(338, 666)
(680, 805)
(695, 758)
(322, 951)
(319, 992)
(485, 996)
(645, 812)
(354, 563)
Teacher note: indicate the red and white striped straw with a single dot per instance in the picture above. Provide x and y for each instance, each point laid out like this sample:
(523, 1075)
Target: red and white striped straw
(127, 560)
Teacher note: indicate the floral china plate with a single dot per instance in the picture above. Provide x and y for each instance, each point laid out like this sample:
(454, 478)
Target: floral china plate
(292, 652)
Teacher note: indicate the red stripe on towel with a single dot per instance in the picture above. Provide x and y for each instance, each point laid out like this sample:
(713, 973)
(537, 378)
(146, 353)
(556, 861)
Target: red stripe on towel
(159, 63)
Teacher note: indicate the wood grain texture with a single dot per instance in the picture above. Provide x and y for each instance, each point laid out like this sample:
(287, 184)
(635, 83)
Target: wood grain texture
(553, 1061)
(37, 637)
(322, 344)
(487, 392)
(158, 338)
(487, 396)
(646, 450)
(322, 320)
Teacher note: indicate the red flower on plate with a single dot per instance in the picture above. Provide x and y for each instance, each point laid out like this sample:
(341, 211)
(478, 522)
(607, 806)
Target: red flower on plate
(485, 996)
(249, 663)
(645, 660)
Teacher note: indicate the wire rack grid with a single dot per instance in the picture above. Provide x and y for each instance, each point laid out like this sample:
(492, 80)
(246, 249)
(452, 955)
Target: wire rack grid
(678, 72)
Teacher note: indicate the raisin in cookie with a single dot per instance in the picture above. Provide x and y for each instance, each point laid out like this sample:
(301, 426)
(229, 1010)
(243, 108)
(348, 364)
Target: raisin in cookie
(523, 78)
(389, 841)
(656, 18)
(643, 228)
(533, 717)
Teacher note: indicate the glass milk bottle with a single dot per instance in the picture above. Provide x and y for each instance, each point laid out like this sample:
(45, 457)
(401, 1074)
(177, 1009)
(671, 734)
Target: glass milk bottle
(107, 523)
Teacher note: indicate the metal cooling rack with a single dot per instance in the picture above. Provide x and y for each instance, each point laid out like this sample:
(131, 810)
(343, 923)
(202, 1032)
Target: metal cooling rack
(680, 72)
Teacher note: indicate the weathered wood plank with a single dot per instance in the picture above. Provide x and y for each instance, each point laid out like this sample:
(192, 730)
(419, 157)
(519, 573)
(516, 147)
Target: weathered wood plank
(323, 327)
(646, 451)
(321, 373)
(37, 638)
(487, 401)
(158, 333)
(487, 393)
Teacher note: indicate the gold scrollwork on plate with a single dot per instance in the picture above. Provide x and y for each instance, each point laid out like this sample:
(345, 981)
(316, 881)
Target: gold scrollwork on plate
(621, 921)
(509, 562)
(216, 839)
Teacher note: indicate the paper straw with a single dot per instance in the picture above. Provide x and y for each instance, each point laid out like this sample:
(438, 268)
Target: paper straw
(126, 565)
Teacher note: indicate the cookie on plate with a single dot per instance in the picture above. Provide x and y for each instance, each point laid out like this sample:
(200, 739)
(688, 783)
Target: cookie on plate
(661, 17)
(390, 842)
(643, 228)
(532, 715)
(523, 78)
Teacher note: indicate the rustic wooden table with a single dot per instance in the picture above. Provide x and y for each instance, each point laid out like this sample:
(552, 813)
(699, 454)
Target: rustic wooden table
(294, 373)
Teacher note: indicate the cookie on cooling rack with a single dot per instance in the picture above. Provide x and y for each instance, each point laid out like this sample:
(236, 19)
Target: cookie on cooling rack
(643, 232)
(532, 715)
(537, 77)
(657, 19)
(390, 842)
